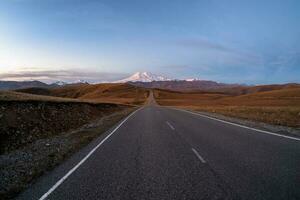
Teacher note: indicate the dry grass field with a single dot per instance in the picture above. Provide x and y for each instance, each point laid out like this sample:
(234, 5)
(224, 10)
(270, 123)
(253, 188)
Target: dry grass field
(19, 96)
(106, 92)
(274, 104)
(278, 106)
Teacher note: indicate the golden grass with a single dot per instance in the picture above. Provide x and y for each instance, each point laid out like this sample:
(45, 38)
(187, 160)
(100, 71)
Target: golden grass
(107, 92)
(18, 96)
(285, 116)
(279, 107)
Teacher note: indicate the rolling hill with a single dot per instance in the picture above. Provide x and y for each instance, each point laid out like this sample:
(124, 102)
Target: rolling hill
(106, 92)
(13, 85)
(277, 104)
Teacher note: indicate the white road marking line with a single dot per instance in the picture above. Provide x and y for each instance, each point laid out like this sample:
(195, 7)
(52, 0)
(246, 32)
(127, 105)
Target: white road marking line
(170, 125)
(84, 159)
(242, 126)
(198, 155)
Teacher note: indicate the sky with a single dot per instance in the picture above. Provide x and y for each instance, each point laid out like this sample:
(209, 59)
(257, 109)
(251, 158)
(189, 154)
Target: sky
(231, 41)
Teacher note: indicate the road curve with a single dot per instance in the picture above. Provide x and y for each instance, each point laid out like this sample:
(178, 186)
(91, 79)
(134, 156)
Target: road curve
(163, 153)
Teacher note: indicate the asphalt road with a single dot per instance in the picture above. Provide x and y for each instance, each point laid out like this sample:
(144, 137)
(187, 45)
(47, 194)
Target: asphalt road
(162, 153)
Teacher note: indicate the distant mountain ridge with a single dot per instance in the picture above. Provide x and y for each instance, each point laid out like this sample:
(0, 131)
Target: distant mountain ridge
(150, 80)
(185, 85)
(13, 85)
(17, 85)
(142, 79)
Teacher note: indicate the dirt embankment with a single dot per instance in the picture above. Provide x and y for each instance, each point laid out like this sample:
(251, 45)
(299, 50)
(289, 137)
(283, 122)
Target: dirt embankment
(24, 122)
(35, 136)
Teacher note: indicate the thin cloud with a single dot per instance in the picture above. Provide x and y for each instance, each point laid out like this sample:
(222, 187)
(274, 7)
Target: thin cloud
(62, 75)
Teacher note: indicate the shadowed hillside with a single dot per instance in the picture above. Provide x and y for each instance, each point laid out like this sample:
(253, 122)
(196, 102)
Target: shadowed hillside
(13, 85)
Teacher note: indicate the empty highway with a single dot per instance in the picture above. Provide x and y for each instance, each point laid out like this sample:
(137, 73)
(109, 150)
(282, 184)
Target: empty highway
(163, 153)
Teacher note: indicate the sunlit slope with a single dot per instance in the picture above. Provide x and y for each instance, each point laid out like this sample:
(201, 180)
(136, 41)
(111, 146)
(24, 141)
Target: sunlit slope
(241, 90)
(284, 96)
(278, 106)
(108, 92)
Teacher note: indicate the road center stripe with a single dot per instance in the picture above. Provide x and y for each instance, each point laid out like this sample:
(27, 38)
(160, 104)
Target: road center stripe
(170, 125)
(198, 155)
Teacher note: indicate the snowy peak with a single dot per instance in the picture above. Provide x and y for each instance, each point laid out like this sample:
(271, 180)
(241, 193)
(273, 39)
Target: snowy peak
(192, 79)
(81, 81)
(143, 77)
(63, 83)
(60, 83)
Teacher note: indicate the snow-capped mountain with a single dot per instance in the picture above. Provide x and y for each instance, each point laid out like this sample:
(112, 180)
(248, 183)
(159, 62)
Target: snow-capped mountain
(80, 81)
(192, 79)
(143, 77)
(60, 83)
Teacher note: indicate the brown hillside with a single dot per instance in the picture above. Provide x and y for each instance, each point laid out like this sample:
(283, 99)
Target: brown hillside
(280, 97)
(280, 106)
(19, 96)
(241, 90)
(108, 92)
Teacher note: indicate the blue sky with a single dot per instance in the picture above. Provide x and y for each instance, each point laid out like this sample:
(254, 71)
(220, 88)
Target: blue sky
(234, 41)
